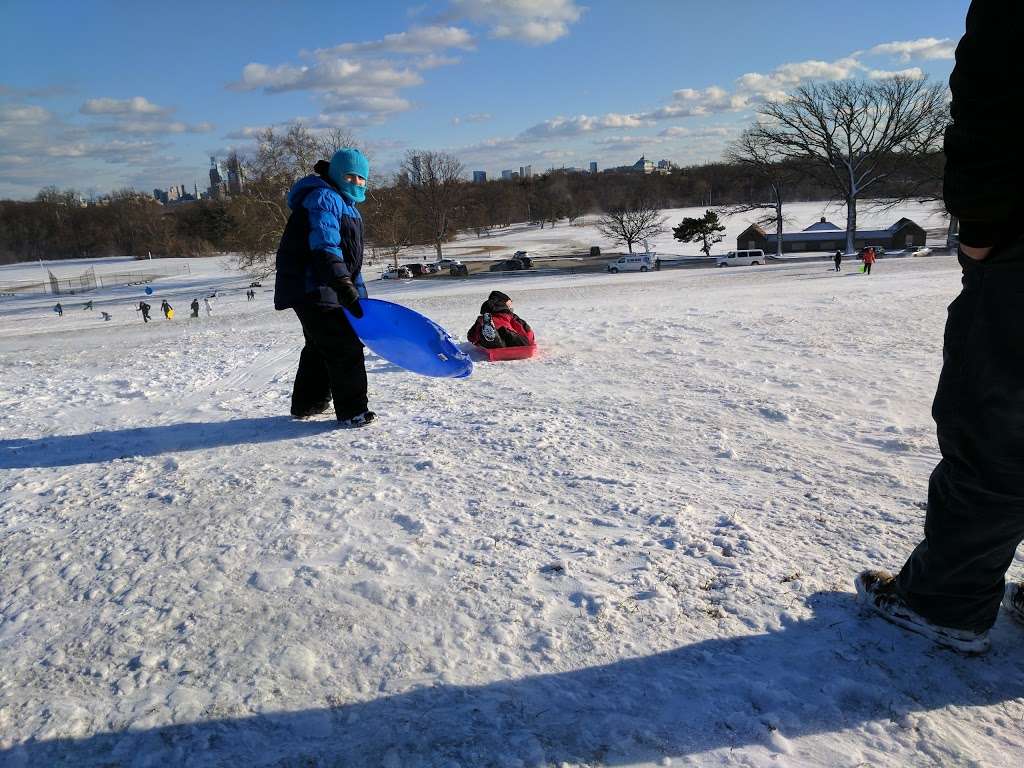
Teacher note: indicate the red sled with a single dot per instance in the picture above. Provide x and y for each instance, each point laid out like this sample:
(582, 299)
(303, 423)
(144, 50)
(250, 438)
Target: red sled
(508, 353)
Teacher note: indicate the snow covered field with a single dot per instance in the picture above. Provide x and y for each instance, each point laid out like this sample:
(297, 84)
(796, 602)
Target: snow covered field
(635, 549)
(564, 238)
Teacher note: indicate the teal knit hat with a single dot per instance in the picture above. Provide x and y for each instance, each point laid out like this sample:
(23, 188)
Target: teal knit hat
(345, 161)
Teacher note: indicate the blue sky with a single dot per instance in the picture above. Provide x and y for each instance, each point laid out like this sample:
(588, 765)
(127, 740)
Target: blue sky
(100, 95)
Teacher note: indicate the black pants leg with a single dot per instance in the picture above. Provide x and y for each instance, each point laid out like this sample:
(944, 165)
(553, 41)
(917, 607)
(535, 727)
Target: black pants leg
(331, 365)
(975, 517)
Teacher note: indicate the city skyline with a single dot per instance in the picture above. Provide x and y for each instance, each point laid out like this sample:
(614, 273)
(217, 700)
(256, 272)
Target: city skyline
(138, 97)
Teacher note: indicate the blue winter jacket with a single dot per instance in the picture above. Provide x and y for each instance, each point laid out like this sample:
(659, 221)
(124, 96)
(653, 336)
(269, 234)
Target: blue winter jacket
(322, 243)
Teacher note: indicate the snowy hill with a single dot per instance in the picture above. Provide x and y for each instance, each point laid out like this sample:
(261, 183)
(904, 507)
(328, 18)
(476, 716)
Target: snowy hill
(635, 549)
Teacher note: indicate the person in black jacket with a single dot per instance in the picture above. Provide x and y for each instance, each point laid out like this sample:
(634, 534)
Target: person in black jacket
(319, 262)
(838, 259)
(951, 587)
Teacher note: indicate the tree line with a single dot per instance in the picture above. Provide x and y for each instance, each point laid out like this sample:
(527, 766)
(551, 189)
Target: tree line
(847, 140)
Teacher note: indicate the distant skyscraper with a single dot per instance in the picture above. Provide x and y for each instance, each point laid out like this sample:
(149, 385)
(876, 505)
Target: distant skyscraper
(593, 167)
(522, 171)
(528, 171)
(506, 174)
(479, 177)
(236, 179)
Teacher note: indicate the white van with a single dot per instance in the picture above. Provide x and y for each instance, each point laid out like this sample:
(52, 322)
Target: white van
(640, 262)
(740, 258)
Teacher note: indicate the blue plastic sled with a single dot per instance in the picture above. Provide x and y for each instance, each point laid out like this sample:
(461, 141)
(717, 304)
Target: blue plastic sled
(409, 340)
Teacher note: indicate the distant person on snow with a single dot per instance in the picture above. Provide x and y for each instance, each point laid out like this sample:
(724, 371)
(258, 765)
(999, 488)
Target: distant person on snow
(166, 309)
(59, 310)
(319, 262)
(838, 259)
(144, 309)
(951, 587)
(87, 305)
(106, 315)
(194, 306)
(207, 306)
(498, 326)
(869, 259)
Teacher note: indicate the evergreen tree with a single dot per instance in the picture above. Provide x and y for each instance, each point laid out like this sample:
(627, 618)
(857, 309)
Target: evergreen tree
(707, 230)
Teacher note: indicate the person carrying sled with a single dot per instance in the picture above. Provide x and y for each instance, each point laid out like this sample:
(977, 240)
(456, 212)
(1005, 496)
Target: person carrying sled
(498, 326)
(951, 587)
(144, 309)
(319, 262)
(166, 308)
(194, 306)
(838, 259)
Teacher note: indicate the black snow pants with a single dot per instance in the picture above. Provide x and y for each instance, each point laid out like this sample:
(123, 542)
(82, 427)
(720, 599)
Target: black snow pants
(331, 365)
(975, 517)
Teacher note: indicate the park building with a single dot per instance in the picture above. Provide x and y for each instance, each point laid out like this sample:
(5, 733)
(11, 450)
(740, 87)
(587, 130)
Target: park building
(823, 235)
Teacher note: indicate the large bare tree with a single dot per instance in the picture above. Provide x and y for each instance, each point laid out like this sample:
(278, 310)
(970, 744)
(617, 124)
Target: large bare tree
(854, 135)
(435, 186)
(631, 224)
(261, 211)
(760, 157)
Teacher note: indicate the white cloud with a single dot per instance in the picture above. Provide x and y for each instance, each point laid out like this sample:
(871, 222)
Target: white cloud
(535, 22)
(475, 117)
(580, 124)
(434, 61)
(153, 127)
(138, 105)
(25, 114)
(927, 48)
(418, 40)
(912, 73)
(109, 151)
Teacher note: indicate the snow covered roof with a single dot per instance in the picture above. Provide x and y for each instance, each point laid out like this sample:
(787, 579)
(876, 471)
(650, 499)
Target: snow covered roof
(821, 226)
(832, 234)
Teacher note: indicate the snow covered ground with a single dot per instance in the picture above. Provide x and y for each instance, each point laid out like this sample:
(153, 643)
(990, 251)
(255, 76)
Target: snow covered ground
(634, 549)
(564, 238)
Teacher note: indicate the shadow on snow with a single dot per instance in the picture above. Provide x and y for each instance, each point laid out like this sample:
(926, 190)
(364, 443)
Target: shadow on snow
(107, 445)
(831, 672)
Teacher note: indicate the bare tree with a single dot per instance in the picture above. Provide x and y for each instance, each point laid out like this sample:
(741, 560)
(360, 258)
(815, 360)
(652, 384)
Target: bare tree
(261, 211)
(435, 187)
(390, 225)
(757, 154)
(631, 224)
(855, 134)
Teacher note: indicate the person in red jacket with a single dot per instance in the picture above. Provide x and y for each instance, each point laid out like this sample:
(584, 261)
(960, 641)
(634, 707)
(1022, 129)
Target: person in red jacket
(869, 259)
(499, 326)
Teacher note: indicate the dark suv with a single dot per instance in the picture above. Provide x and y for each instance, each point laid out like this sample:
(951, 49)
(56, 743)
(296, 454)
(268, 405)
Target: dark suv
(508, 265)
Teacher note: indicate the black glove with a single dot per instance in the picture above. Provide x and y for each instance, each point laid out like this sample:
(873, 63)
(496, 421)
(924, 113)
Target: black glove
(348, 296)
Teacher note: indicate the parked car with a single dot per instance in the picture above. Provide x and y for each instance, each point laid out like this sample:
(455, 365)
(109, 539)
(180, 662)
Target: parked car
(638, 262)
(256, 285)
(431, 269)
(418, 270)
(507, 265)
(922, 251)
(395, 273)
(527, 261)
(458, 270)
(446, 263)
(595, 250)
(740, 258)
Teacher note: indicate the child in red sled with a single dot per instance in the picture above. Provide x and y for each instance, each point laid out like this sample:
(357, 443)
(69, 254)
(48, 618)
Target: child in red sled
(499, 326)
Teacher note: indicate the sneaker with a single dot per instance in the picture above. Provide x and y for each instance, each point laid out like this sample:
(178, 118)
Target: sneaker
(877, 591)
(362, 420)
(1013, 601)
